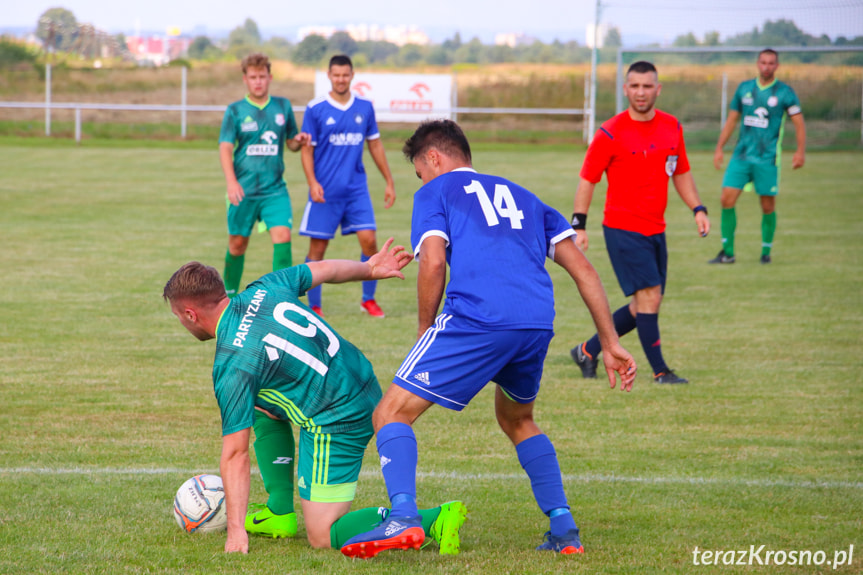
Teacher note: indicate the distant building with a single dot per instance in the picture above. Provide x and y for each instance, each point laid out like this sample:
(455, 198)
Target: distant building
(513, 39)
(157, 50)
(325, 31)
(398, 35)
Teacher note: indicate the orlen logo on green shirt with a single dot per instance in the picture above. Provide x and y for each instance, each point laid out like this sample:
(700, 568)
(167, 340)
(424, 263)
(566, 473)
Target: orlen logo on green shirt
(759, 120)
(268, 149)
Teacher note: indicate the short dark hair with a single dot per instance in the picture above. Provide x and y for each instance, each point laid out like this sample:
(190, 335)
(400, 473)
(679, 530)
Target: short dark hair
(256, 60)
(769, 51)
(642, 67)
(195, 281)
(445, 135)
(341, 60)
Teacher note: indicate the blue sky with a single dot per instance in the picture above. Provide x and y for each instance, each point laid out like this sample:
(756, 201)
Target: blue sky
(638, 20)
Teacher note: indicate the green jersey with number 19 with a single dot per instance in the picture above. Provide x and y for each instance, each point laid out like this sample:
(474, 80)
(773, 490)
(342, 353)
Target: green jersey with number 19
(275, 353)
(763, 109)
(258, 134)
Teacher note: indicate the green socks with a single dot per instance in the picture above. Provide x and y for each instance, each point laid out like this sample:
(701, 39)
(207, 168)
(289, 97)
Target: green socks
(233, 273)
(274, 449)
(363, 520)
(282, 256)
(729, 225)
(768, 229)
(234, 266)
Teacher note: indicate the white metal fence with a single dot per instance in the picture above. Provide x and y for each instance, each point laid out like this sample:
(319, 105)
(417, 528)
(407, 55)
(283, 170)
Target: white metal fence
(183, 108)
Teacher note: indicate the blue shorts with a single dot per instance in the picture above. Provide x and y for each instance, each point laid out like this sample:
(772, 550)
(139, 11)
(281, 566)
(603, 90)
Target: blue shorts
(639, 261)
(454, 360)
(353, 214)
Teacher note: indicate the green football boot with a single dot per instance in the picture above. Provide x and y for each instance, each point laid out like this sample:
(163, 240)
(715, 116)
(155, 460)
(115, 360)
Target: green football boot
(445, 529)
(262, 521)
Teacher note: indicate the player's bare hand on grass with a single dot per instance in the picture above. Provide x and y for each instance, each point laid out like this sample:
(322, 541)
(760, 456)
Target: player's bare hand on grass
(235, 193)
(618, 360)
(316, 192)
(238, 542)
(388, 263)
(389, 196)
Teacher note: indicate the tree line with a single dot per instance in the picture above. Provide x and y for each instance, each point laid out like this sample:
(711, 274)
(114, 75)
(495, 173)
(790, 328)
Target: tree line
(59, 31)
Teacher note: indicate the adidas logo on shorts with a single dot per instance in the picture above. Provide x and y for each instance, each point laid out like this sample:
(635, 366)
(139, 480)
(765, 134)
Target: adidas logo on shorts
(423, 377)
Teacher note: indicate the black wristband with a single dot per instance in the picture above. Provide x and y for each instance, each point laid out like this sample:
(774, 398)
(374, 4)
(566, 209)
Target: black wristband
(578, 221)
(699, 208)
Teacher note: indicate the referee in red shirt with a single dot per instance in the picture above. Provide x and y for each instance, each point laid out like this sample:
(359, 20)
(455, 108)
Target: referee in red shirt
(639, 149)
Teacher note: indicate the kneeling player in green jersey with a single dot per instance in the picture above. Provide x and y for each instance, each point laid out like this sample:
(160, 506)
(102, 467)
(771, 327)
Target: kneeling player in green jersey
(255, 132)
(278, 363)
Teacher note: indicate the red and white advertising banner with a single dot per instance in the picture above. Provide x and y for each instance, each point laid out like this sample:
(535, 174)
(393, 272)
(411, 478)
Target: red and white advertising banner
(399, 97)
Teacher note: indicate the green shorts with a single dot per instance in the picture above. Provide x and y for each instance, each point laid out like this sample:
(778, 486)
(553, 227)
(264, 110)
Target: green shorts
(329, 464)
(740, 172)
(273, 210)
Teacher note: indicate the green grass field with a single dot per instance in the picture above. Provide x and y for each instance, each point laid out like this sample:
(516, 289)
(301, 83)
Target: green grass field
(106, 402)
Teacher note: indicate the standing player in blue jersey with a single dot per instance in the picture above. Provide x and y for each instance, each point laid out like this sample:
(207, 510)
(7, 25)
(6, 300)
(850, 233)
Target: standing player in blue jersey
(495, 236)
(255, 131)
(339, 124)
(277, 362)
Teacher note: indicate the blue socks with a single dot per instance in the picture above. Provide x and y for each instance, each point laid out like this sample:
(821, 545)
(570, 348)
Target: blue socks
(314, 294)
(539, 460)
(369, 286)
(623, 324)
(648, 333)
(397, 447)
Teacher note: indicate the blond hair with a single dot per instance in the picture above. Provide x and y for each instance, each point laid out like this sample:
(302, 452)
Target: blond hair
(197, 282)
(256, 60)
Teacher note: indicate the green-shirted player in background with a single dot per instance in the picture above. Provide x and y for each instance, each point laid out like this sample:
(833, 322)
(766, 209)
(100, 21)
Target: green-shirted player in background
(278, 362)
(764, 103)
(255, 131)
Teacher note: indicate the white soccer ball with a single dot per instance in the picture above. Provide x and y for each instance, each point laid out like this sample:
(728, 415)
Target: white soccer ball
(199, 506)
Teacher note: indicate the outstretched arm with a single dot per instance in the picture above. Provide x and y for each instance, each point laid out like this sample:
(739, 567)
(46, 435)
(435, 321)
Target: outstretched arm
(616, 359)
(379, 155)
(387, 263)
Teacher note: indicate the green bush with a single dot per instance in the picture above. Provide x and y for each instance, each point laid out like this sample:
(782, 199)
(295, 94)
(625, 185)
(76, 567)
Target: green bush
(15, 55)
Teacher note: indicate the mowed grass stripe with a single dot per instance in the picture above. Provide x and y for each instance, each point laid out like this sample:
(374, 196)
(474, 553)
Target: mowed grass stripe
(466, 477)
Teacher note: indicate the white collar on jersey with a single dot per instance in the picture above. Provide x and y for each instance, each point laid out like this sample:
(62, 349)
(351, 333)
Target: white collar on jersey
(465, 169)
(343, 107)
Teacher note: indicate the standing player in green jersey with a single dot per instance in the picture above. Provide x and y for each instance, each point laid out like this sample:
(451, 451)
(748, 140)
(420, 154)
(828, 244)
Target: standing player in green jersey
(764, 102)
(255, 131)
(278, 362)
